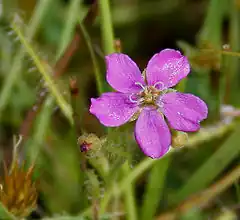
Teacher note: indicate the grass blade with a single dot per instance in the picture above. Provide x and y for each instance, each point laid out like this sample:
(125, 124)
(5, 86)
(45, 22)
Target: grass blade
(69, 27)
(154, 188)
(212, 167)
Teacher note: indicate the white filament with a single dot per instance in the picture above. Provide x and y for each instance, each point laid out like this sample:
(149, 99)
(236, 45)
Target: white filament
(140, 84)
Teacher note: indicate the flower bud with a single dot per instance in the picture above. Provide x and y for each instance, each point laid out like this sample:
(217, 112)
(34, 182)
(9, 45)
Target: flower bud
(89, 143)
(179, 139)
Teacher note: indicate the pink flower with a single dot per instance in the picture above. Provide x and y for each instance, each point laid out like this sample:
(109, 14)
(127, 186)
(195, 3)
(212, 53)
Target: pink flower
(150, 95)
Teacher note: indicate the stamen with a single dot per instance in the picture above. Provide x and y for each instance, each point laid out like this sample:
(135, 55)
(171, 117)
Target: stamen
(140, 84)
(140, 101)
(159, 83)
(130, 98)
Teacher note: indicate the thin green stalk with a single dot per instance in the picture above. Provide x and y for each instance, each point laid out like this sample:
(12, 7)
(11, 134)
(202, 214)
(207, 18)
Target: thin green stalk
(65, 107)
(231, 74)
(100, 163)
(211, 30)
(228, 53)
(69, 27)
(99, 81)
(41, 131)
(129, 179)
(211, 36)
(154, 188)
(129, 195)
(106, 27)
(211, 168)
(115, 205)
(14, 73)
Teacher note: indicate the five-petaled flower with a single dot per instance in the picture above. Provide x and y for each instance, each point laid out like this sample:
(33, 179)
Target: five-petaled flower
(149, 95)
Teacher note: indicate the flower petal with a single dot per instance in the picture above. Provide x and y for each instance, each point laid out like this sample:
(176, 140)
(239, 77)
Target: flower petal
(113, 108)
(152, 133)
(123, 73)
(183, 111)
(167, 68)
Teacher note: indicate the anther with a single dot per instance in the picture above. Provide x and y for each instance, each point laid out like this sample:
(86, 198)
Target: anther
(130, 98)
(159, 83)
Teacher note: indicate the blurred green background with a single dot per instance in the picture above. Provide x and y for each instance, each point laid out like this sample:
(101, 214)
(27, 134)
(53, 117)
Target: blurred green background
(52, 63)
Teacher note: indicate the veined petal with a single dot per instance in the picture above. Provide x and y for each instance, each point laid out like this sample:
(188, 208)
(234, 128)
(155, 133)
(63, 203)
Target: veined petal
(113, 108)
(167, 68)
(183, 111)
(152, 133)
(123, 73)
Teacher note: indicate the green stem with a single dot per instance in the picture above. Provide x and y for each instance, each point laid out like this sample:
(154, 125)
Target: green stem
(132, 176)
(99, 81)
(212, 27)
(106, 27)
(69, 27)
(100, 163)
(15, 71)
(232, 85)
(41, 131)
(154, 189)
(131, 212)
(65, 107)
(211, 35)
(115, 203)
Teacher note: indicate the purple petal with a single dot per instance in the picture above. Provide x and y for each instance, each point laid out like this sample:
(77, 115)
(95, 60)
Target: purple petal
(113, 108)
(167, 68)
(152, 133)
(183, 111)
(123, 73)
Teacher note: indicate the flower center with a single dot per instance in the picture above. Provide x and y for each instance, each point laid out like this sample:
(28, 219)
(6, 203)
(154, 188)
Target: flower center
(148, 95)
